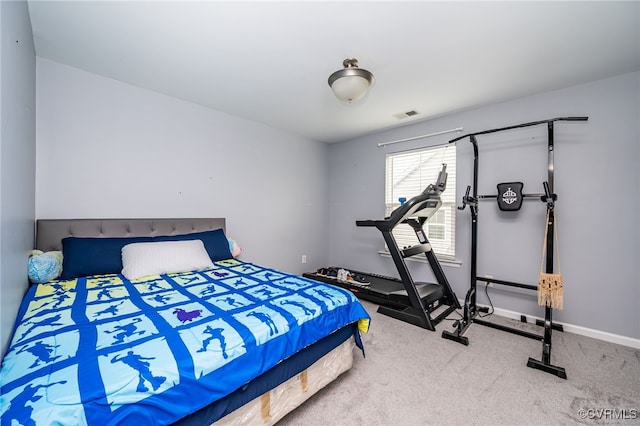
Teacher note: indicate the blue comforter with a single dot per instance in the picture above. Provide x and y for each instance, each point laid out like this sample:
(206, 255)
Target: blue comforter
(105, 350)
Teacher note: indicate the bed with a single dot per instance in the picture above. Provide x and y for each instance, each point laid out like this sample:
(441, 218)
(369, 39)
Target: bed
(122, 337)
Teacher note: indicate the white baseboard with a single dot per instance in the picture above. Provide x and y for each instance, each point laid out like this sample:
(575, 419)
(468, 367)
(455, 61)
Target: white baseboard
(576, 329)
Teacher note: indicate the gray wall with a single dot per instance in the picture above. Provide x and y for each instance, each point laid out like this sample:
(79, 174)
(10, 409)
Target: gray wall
(107, 149)
(596, 179)
(17, 158)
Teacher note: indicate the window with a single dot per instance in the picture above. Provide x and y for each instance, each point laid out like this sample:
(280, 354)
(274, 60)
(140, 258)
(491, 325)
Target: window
(435, 227)
(407, 174)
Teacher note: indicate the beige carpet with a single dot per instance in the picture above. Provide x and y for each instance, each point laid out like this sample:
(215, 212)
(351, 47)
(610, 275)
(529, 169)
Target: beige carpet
(412, 376)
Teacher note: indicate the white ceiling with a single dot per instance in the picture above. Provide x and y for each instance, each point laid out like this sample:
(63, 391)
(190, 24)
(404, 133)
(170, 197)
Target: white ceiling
(269, 61)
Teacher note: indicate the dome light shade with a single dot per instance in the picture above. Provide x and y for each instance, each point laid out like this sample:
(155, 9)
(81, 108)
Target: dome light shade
(351, 83)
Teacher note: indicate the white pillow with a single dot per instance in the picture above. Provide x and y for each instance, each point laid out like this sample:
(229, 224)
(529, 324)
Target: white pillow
(163, 257)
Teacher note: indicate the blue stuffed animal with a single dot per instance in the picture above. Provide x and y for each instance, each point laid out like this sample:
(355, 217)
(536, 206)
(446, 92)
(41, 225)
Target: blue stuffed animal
(44, 267)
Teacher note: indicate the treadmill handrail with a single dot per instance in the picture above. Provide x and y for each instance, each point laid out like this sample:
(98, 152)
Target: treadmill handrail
(366, 222)
(405, 211)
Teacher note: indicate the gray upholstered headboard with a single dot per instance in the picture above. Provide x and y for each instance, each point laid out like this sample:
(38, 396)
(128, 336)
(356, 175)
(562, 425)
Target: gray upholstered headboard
(50, 232)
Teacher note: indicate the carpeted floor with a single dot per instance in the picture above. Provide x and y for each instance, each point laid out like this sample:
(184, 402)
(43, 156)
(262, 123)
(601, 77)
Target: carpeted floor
(412, 376)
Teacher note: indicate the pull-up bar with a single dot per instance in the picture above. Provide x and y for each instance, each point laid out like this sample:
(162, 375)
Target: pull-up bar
(533, 123)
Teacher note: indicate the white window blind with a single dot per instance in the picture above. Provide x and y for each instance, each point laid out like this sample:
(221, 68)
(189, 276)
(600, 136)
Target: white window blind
(407, 174)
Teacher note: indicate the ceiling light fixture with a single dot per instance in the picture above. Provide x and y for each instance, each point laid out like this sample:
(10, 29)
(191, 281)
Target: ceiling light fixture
(351, 83)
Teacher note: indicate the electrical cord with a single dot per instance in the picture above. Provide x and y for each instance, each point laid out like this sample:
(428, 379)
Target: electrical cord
(486, 292)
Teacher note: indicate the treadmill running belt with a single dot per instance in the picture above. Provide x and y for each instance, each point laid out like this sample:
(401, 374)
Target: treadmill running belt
(384, 290)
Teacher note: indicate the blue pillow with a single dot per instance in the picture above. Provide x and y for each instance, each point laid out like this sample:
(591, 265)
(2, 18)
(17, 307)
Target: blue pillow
(94, 256)
(215, 242)
(84, 256)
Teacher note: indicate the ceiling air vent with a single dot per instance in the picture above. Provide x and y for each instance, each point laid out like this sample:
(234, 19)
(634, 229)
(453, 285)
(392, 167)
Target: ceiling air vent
(406, 114)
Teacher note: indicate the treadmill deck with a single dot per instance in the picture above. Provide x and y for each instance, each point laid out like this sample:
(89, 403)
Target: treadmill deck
(382, 290)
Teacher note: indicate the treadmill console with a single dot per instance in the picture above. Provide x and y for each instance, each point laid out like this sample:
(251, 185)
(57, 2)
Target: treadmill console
(429, 207)
(426, 204)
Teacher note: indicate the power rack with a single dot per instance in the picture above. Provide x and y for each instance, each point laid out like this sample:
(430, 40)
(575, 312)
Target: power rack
(510, 198)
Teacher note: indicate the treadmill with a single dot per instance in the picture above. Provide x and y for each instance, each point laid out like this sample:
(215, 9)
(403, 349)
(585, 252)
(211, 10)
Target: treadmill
(402, 298)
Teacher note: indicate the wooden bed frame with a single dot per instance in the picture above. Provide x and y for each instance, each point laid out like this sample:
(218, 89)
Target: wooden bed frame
(272, 405)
